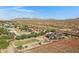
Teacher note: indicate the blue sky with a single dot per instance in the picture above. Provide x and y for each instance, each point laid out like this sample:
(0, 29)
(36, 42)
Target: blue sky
(57, 12)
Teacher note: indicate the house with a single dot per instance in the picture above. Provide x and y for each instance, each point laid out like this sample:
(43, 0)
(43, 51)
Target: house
(55, 35)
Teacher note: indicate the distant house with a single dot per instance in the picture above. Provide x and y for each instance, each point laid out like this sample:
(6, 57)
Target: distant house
(55, 35)
(50, 35)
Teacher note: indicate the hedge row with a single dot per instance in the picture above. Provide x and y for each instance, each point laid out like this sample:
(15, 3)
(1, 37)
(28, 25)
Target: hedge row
(33, 34)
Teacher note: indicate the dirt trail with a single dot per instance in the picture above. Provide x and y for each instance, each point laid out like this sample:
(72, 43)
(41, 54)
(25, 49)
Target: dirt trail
(10, 48)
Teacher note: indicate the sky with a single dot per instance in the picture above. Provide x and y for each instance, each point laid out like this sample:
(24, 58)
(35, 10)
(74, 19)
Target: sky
(47, 12)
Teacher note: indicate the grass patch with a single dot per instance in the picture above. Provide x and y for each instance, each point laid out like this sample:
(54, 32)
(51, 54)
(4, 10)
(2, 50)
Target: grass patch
(3, 44)
(22, 42)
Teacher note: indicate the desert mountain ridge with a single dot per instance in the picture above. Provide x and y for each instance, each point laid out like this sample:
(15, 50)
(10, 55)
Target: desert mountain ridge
(14, 19)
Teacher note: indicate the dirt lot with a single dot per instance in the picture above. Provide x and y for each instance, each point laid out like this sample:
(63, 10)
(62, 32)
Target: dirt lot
(68, 46)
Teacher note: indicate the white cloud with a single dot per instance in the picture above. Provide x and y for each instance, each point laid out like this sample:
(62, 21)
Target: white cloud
(16, 12)
(23, 10)
(19, 9)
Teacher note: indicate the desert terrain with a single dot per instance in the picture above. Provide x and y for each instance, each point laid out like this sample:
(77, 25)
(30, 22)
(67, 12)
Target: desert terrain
(25, 35)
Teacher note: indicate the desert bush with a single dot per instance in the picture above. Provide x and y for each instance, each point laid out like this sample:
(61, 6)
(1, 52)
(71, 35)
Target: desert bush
(23, 28)
(19, 47)
(32, 34)
(50, 30)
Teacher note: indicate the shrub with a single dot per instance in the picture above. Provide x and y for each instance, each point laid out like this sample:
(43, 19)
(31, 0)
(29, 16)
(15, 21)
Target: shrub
(26, 46)
(33, 34)
(50, 30)
(3, 31)
(20, 37)
(19, 47)
(23, 28)
(6, 37)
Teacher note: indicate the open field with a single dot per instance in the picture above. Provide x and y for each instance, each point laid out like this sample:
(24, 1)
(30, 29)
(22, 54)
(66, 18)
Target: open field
(25, 41)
